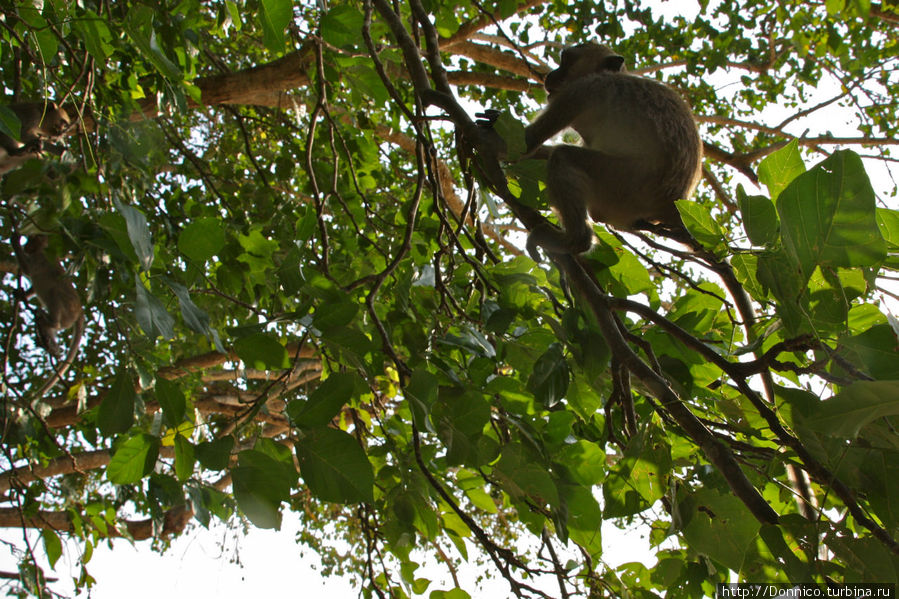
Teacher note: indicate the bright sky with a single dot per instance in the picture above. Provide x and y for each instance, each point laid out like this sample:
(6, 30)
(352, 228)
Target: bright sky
(201, 563)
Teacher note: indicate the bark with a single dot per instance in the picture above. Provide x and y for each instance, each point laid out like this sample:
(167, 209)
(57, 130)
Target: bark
(173, 523)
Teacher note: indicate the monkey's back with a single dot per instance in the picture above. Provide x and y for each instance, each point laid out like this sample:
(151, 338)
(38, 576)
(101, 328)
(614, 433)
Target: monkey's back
(53, 288)
(633, 116)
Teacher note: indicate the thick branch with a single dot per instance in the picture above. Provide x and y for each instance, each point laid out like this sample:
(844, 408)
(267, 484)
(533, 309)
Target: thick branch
(82, 462)
(173, 523)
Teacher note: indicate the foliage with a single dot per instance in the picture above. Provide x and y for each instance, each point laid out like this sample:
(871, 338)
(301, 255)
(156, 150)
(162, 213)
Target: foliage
(305, 292)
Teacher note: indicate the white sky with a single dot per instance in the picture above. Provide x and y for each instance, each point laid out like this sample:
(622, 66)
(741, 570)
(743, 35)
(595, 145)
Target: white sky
(201, 563)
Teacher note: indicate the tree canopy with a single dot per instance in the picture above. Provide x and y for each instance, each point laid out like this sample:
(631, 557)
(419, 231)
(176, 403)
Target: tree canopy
(305, 290)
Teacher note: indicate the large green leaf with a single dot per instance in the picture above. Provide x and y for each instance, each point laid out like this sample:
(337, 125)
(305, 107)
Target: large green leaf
(133, 459)
(275, 16)
(215, 455)
(549, 379)
(721, 528)
(138, 233)
(759, 218)
(334, 466)
(260, 484)
(262, 351)
(151, 314)
(522, 476)
(202, 239)
(459, 419)
(855, 406)
(116, 412)
(779, 169)
(828, 218)
(325, 402)
(184, 458)
(585, 461)
(171, 400)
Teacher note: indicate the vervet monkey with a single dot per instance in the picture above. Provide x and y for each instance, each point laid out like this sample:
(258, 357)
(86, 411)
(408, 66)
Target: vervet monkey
(62, 306)
(39, 121)
(641, 149)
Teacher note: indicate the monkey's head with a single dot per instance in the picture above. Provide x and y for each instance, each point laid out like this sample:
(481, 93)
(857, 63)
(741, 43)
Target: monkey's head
(36, 244)
(580, 61)
(55, 120)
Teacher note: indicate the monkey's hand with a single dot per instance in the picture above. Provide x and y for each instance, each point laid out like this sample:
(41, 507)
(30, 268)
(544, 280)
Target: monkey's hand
(32, 147)
(487, 118)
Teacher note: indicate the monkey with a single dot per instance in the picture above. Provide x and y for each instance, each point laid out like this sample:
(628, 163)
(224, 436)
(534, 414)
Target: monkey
(641, 150)
(39, 121)
(62, 306)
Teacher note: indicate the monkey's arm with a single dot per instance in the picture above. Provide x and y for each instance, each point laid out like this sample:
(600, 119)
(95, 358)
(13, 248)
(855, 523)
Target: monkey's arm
(558, 115)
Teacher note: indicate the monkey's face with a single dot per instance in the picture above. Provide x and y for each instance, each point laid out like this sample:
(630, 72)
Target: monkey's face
(56, 120)
(581, 61)
(36, 244)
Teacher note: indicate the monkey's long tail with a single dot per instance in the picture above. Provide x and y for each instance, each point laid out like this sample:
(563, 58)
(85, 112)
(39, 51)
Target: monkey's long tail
(62, 367)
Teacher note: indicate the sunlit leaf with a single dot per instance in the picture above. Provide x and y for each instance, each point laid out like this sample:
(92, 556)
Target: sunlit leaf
(133, 459)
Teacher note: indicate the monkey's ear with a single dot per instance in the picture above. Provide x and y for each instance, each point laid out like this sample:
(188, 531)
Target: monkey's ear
(613, 62)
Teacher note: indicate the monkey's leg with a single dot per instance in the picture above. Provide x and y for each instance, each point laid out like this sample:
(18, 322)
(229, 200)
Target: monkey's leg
(46, 333)
(582, 180)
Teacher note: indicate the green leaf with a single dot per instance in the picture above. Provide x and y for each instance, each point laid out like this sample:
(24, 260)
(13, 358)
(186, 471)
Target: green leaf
(139, 27)
(759, 218)
(630, 273)
(827, 216)
(138, 233)
(262, 351)
(325, 402)
(700, 223)
(857, 405)
(116, 412)
(215, 455)
(522, 476)
(450, 594)
(584, 522)
(194, 317)
(52, 545)
(866, 559)
(202, 239)
(133, 459)
(260, 485)
(773, 536)
(459, 418)
(331, 315)
(888, 223)
(171, 400)
(275, 16)
(723, 528)
(335, 467)
(341, 25)
(9, 123)
(95, 34)
(550, 376)
(779, 169)
(875, 352)
(289, 272)
(184, 458)
(151, 314)
(471, 340)
(422, 393)
(512, 132)
(585, 460)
